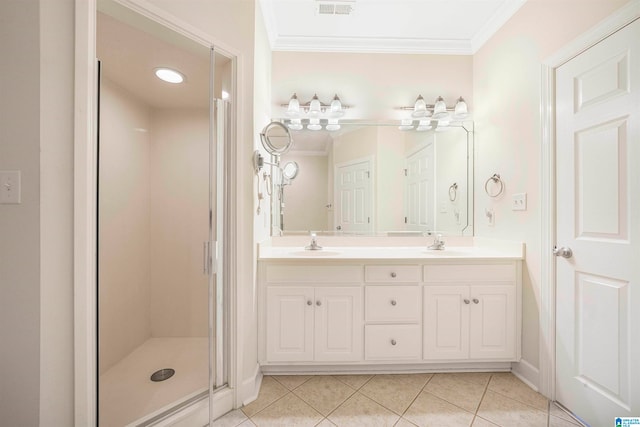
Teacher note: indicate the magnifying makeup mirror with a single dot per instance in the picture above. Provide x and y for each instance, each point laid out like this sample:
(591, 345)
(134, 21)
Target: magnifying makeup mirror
(290, 170)
(276, 138)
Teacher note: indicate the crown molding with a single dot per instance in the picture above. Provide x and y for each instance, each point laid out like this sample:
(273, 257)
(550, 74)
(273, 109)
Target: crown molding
(372, 45)
(504, 13)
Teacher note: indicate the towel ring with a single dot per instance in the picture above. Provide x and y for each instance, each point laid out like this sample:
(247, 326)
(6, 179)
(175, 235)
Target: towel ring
(496, 180)
(453, 190)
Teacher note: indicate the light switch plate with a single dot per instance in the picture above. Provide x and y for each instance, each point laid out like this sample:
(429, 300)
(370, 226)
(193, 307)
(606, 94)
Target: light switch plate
(519, 202)
(9, 187)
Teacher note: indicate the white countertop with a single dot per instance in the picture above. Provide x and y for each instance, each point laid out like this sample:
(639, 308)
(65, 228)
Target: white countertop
(419, 253)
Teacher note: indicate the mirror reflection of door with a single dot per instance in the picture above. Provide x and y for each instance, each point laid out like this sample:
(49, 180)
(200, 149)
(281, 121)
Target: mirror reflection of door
(353, 196)
(419, 190)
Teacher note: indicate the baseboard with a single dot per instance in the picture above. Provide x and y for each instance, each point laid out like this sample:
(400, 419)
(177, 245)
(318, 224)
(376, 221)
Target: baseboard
(197, 414)
(528, 374)
(386, 368)
(249, 389)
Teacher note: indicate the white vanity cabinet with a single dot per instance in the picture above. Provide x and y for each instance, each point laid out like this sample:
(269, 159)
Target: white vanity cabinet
(327, 314)
(471, 312)
(392, 312)
(311, 321)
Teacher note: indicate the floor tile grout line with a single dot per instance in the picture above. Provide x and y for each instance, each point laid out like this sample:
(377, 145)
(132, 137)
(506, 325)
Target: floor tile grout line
(519, 401)
(270, 404)
(484, 393)
(334, 409)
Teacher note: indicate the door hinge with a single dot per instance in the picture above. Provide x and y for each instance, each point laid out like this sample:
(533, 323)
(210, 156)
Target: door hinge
(405, 172)
(368, 220)
(405, 219)
(368, 174)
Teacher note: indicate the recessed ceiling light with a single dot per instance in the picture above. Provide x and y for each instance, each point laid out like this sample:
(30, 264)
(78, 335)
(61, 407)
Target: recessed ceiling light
(168, 75)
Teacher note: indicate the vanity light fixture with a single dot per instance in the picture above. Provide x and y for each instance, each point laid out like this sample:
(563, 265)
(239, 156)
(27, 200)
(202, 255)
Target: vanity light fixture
(438, 112)
(316, 112)
(169, 75)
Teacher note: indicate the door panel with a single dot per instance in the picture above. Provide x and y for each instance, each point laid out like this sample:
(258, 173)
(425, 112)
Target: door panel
(419, 190)
(446, 322)
(354, 202)
(493, 319)
(597, 151)
(338, 320)
(290, 324)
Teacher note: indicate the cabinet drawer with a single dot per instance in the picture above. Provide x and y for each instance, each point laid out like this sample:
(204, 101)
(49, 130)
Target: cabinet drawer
(392, 303)
(392, 342)
(391, 273)
(470, 273)
(313, 273)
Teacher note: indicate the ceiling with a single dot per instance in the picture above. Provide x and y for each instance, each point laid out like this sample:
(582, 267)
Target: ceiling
(130, 48)
(458, 27)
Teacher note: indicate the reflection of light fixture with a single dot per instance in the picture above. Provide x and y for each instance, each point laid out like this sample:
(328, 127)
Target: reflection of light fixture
(314, 110)
(295, 124)
(314, 124)
(406, 124)
(168, 75)
(332, 125)
(424, 125)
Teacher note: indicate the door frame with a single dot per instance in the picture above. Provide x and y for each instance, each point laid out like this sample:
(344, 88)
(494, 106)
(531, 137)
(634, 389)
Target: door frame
(547, 341)
(85, 200)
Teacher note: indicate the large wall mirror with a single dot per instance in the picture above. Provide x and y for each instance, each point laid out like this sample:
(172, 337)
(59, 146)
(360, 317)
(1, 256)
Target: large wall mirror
(376, 179)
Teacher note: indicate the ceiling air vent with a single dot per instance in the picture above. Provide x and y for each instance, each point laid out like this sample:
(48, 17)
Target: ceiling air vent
(335, 7)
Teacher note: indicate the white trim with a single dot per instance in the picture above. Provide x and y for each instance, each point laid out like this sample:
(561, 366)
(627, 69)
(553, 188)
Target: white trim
(624, 16)
(388, 368)
(504, 13)
(372, 45)
(84, 223)
(527, 373)
(249, 389)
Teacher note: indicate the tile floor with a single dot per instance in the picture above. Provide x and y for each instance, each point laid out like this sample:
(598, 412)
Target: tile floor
(401, 400)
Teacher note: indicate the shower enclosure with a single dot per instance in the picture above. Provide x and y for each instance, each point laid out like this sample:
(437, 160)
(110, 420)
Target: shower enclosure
(162, 293)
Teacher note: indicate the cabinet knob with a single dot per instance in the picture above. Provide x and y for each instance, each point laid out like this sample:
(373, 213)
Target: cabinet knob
(309, 302)
(393, 274)
(318, 303)
(393, 302)
(393, 342)
(466, 301)
(476, 300)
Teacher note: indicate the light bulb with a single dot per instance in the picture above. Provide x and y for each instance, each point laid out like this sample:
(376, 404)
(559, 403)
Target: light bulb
(332, 125)
(314, 107)
(420, 107)
(294, 107)
(460, 111)
(424, 125)
(295, 124)
(440, 109)
(406, 124)
(335, 110)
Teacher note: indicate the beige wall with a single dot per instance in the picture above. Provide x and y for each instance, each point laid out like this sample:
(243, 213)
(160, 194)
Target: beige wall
(124, 232)
(307, 196)
(451, 167)
(179, 184)
(389, 179)
(507, 87)
(20, 254)
(154, 204)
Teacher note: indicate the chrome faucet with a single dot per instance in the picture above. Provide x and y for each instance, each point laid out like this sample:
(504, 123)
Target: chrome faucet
(438, 243)
(314, 243)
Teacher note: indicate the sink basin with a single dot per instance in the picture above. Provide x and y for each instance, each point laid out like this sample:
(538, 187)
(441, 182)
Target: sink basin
(320, 253)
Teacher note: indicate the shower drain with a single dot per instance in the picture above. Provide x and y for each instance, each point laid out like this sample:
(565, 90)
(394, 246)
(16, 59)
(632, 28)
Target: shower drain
(162, 374)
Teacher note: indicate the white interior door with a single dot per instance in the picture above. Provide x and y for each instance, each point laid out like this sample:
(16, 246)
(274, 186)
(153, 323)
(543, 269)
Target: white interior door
(598, 188)
(419, 190)
(353, 197)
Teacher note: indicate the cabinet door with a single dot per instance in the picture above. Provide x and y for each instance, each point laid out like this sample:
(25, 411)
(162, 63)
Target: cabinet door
(289, 324)
(446, 322)
(338, 324)
(493, 321)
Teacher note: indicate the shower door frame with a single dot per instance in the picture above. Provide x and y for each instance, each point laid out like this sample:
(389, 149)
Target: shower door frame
(85, 208)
